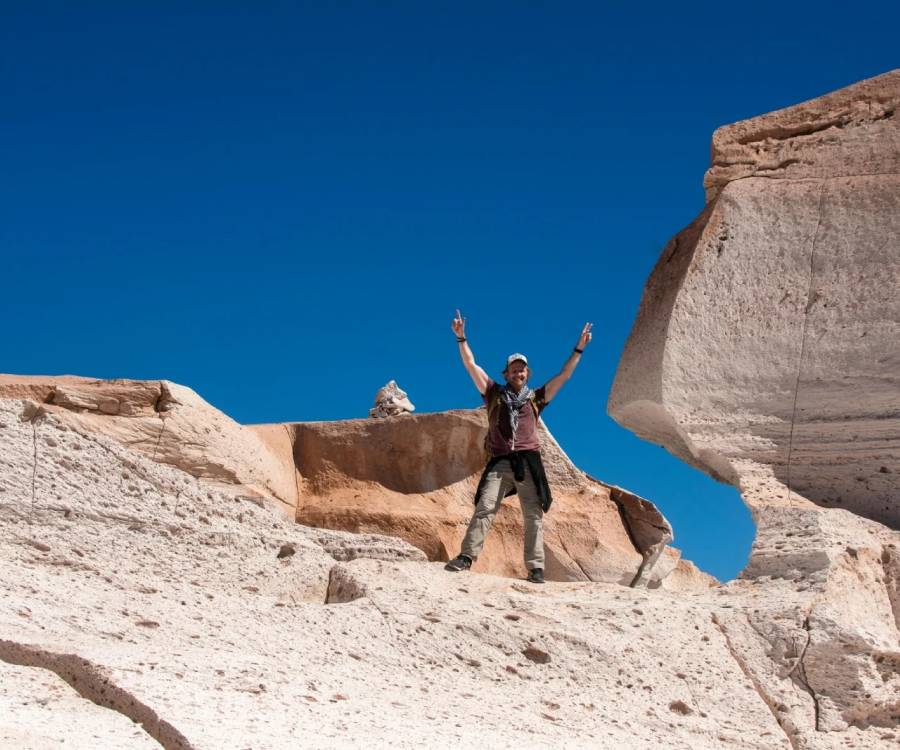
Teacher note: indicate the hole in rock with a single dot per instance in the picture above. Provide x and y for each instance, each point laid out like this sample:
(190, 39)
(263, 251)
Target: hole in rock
(713, 527)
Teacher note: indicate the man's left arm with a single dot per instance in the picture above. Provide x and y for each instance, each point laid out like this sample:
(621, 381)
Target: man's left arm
(557, 381)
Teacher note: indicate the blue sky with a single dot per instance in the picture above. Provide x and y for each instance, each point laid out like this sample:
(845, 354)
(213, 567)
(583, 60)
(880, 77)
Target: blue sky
(282, 204)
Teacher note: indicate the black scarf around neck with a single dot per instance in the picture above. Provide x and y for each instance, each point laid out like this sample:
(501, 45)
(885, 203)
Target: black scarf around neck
(515, 401)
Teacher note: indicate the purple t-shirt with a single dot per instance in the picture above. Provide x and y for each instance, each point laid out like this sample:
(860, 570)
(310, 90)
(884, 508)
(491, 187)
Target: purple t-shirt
(500, 439)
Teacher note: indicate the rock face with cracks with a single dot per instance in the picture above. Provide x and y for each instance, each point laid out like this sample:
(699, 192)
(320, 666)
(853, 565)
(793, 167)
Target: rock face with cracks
(207, 620)
(765, 352)
(768, 332)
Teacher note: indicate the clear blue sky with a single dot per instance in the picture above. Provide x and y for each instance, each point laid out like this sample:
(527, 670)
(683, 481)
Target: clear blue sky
(281, 204)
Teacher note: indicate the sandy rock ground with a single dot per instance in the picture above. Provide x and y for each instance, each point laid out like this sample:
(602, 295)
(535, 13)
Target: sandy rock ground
(131, 591)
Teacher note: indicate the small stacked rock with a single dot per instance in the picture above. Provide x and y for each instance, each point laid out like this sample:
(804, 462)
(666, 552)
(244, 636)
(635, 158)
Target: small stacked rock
(390, 401)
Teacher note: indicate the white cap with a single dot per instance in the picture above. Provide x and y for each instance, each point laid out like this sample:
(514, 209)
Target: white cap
(514, 357)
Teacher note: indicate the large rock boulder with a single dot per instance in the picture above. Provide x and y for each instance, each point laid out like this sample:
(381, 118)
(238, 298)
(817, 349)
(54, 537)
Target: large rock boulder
(766, 353)
(415, 477)
(769, 328)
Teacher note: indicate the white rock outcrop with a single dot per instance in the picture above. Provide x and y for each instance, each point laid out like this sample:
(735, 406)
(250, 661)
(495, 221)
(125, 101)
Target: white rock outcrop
(150, 592)
(769, 331)
(766, 352)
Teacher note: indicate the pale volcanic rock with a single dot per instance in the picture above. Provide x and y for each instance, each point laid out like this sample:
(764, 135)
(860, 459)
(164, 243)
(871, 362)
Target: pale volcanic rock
(416, 478)
(769, 328)
(39, 710)
(391, 401)
(216, 623)
(169, 423)
(848, 133)
(766, 353)
(687, 577)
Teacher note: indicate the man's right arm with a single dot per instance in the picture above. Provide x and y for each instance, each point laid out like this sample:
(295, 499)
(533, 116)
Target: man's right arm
(479, 376)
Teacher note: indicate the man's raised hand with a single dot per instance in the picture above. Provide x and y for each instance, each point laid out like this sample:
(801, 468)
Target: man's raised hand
(585, 337)
(459, 325)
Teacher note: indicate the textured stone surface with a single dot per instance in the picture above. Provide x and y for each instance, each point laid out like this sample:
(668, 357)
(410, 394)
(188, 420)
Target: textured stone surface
(848, 133)
(177, 606)
(765, 353)
(169, 423)
(213, 621)
(40, 711)
(768, 329)
(415, 477)
(391, 401)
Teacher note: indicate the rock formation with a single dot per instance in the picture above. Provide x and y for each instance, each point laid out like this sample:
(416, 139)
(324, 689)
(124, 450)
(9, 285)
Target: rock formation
(767, 353)
(168, 423)
(150, 563)
(391, 401)
(768, 333)
(414, 478)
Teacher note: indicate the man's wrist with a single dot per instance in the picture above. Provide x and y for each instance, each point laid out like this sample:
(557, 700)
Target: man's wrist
(460, 339)
(578, 351)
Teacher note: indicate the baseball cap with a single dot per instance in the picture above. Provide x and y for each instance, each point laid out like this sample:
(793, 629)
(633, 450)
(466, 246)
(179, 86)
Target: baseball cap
(515, 357)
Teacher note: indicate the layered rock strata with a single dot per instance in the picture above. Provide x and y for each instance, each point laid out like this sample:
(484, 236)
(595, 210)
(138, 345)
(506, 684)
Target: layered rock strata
(769, 328)
(765, 352)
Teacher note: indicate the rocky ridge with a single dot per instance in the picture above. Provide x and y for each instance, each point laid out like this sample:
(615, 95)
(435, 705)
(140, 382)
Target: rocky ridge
(412, 476)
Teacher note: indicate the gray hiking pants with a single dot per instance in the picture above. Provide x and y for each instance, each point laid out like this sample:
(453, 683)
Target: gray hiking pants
(497, 483)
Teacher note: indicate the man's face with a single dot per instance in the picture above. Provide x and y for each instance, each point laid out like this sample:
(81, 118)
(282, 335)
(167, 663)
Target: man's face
(517, 374)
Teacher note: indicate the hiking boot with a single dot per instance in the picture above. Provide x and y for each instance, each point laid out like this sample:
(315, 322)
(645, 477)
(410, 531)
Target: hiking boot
(458, 563)
(536, 575)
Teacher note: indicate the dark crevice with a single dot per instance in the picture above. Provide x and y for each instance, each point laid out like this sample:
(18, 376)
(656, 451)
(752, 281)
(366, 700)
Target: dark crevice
(799, 675)
(757, 686)
(93, 683)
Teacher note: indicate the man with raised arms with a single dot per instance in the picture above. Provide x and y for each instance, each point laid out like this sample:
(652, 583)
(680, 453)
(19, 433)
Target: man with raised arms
(514, 466)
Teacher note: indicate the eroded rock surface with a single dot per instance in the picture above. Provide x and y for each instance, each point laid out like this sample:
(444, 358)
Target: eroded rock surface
(766, 353)
(769, 328)
(169, 423)
(415, 478)
(216, 623)
(391, 401)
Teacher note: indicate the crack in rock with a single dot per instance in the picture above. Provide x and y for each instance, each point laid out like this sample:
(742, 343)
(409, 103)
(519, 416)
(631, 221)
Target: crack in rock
(572, 558)
(800, 675)
(92, 682)
(757, 686)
